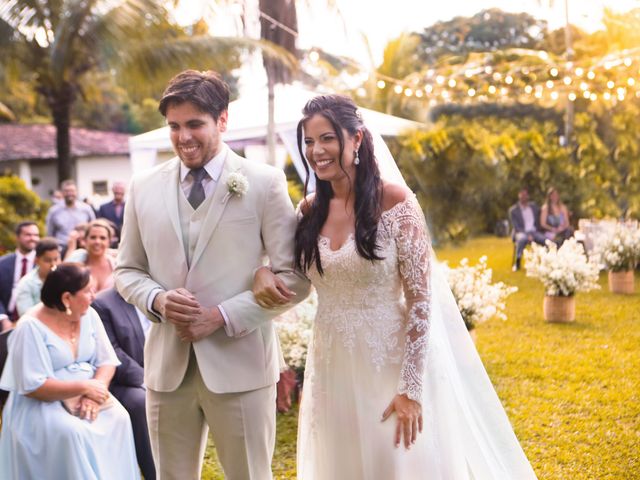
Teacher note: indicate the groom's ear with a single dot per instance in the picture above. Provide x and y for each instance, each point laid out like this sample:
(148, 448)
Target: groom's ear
(222, 121)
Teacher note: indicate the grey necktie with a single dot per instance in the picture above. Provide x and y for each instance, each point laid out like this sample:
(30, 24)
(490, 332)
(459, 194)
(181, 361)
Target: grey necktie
(196, 196)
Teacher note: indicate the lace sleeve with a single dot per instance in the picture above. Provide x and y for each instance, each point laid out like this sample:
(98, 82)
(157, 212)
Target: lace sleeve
(414, 254)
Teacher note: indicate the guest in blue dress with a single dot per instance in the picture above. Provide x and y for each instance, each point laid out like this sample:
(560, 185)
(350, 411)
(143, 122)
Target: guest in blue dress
(60, 421)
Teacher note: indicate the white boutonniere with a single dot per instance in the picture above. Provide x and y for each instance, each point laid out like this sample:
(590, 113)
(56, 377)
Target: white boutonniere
(237, 184)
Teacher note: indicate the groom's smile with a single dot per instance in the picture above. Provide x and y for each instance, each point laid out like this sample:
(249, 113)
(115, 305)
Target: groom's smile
(195, 135)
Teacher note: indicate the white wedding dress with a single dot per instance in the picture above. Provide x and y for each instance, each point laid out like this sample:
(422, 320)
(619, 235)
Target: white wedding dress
(388, 327)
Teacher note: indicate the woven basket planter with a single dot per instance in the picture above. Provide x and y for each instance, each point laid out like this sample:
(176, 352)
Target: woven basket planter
(621, 282)
(559, 309)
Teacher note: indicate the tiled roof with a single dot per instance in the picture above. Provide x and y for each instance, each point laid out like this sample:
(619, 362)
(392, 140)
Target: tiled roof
(32, 142)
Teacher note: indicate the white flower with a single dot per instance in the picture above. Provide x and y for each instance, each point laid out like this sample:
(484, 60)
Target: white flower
(478, 299)
(294, 329)
(563, 271)
(237, 184)
(619, 249)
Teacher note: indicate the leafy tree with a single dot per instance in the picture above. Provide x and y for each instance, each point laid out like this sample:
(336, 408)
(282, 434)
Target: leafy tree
(62, 41)
(487, 30)
(17, 204)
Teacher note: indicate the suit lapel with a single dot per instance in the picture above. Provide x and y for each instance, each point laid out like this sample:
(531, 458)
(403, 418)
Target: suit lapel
(170, 189)
(216, 208)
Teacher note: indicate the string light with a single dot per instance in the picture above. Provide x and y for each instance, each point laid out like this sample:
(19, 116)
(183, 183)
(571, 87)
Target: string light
(381, 84)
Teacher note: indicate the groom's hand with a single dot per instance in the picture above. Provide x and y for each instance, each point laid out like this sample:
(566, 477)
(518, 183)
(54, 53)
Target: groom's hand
(205, 323)
(178, 306)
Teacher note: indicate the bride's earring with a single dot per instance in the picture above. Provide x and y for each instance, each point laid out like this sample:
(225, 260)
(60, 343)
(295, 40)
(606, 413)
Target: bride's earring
(356, 160)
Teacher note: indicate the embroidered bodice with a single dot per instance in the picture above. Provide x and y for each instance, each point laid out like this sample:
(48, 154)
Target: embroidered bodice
(383, 304)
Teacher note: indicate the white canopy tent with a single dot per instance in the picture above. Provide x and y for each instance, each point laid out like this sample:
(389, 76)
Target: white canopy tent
(248, 128)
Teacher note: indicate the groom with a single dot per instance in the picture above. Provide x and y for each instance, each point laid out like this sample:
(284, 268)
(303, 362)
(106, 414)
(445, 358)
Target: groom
(195, 229)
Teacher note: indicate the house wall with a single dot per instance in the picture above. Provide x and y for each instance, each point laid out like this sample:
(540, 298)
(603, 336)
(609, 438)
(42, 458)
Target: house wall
(91, 170)
(44, 178)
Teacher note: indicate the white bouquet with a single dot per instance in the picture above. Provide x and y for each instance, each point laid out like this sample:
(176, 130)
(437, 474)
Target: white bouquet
(294, 329)
(619, 250)
(563, 271)
(478, 299)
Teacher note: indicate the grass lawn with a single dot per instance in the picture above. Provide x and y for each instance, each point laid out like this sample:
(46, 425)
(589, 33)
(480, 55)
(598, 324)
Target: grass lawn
(572, 392)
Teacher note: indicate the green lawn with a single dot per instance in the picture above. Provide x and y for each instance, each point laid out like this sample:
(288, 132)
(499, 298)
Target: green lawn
(572, 392)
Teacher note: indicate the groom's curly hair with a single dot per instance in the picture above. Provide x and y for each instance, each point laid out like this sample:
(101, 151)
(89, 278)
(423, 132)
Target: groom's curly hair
(342, 113)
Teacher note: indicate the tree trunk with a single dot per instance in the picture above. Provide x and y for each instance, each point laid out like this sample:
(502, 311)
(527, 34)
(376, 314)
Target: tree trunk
(271, 123)
(60, 102)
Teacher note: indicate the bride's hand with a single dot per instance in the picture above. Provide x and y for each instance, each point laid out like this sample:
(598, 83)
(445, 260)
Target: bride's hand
(269, 290)
(409, 413)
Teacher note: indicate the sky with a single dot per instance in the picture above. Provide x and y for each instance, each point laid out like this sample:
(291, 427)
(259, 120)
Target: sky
(381, 21)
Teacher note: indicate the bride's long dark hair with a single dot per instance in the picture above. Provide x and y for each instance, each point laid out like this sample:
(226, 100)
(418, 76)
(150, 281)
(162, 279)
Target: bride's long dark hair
(342, 113)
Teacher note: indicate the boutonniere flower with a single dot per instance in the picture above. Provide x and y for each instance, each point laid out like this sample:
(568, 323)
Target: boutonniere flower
(237, 184)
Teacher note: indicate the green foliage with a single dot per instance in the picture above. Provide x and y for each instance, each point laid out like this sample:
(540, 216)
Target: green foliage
(570, 391)
(17, 204)
(467, 172)
(487, 30)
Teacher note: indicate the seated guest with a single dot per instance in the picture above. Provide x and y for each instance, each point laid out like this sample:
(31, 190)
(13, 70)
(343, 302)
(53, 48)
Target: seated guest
(554, 218)
(75, 241)
(525, 218)
(97, 255)
(28, 289)
(127, 329)
(59, 420)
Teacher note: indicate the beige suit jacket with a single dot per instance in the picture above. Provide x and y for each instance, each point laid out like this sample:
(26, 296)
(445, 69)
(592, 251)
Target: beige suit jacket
(236, 236)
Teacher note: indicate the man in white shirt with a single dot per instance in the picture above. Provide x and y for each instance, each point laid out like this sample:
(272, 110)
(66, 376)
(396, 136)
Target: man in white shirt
(525, 219)
(13, 267)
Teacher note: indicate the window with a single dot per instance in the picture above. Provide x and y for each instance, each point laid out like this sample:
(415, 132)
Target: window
(100, 188)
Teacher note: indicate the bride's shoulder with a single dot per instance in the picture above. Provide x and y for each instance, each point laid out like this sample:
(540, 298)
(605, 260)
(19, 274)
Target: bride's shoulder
(305, 204)
(394, 194)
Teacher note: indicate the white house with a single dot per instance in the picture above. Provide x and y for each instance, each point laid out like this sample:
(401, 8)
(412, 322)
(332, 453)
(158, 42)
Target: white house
(100, 158)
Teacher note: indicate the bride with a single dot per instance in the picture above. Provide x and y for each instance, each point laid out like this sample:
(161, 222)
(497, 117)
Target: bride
(394, 388)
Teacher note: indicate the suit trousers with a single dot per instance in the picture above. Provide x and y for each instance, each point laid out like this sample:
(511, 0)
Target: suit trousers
(242, 426)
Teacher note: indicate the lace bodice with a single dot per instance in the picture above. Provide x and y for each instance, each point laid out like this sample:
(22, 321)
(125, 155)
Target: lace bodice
(383, 305)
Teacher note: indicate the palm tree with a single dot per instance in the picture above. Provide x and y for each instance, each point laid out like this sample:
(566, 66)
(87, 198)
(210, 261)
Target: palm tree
(279, 25)
(61, 41)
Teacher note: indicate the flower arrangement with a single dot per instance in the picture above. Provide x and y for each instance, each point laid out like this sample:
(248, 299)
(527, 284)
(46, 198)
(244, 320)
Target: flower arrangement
(294, 329)
(478, 299)
(564, 271)
(619, 251)
(237, 184)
